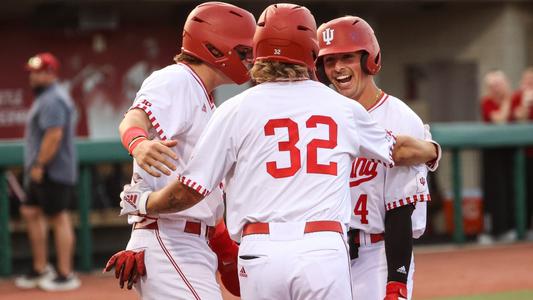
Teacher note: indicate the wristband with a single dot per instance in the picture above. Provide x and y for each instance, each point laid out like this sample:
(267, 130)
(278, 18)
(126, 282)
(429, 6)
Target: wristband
(135, 142)
(131, 134)
(143, 203)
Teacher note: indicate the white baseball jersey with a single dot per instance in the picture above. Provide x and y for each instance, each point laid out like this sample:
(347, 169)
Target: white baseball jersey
(285, 150)
(375, 188)
(179, 107)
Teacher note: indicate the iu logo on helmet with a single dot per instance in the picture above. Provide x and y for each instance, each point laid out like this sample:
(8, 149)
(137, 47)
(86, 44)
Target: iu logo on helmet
(327, 35)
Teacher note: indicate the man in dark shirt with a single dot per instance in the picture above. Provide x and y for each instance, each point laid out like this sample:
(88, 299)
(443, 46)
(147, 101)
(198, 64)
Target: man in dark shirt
(51, 174)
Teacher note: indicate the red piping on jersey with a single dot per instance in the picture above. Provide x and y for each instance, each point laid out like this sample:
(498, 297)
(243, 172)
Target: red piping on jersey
(193, 185)
(176, 267)
(202, 84)
(379, 103)
(408, 200)
(153, 120)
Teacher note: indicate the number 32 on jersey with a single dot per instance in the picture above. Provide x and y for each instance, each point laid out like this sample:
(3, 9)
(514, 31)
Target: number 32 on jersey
(294, 152)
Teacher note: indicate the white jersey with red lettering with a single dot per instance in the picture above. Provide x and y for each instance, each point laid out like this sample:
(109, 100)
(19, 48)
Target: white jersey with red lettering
(285, 150)
(179, 107)
(179, 263)
(376, 189)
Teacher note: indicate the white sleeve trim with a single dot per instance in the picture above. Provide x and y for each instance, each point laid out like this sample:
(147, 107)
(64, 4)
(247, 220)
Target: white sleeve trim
(193, 185)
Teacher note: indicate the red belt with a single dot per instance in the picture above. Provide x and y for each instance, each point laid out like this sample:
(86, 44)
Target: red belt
(374, 237)
(190, 227)
(313, 226)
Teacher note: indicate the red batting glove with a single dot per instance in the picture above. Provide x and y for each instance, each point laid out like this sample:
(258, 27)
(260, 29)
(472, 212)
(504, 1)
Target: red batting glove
(396, 291)
(129, 267)
(227, 252)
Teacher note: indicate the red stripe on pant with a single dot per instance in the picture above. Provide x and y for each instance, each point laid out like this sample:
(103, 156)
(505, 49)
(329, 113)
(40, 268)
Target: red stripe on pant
(169, 256)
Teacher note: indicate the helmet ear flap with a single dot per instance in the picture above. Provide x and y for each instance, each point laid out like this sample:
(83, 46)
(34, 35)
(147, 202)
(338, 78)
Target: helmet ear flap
(321, 72)
(364, 63)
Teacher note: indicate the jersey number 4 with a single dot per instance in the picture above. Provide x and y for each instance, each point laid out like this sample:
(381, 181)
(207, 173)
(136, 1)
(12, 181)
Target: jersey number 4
(360, 208)
(295, 154)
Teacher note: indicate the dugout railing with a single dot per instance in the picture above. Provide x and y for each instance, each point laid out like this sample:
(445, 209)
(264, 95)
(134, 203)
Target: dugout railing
(89, 153)
(453, 137)
(456, 137)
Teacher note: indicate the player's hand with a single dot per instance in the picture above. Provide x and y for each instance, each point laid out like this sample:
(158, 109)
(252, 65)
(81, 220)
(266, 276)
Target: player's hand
(37, 174)
(227, 252)
(154, 154)
(129, 267)
(134, 196)
(396, 291)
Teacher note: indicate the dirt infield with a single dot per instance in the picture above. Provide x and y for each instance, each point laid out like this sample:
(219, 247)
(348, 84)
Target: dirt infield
(440, 272)
(94, 287)
(473, 270)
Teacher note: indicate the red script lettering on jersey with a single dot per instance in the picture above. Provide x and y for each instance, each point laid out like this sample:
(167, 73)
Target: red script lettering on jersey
(362, 170)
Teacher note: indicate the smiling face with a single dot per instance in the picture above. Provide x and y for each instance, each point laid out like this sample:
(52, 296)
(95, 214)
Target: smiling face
(345, 73)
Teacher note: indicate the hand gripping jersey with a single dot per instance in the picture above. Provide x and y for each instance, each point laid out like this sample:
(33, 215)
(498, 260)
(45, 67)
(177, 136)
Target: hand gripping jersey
(285, 150)
(375, 188)
(179, 107)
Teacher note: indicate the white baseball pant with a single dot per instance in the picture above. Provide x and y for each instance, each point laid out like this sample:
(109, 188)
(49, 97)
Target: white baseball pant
(179, 265)
(287, 263)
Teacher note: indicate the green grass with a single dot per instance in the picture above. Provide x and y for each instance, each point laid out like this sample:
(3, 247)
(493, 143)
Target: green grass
(515, 295)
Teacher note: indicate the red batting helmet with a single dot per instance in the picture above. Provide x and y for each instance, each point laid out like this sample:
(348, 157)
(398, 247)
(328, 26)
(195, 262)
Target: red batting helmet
(351, 34)
(286, 33)
(212, 32)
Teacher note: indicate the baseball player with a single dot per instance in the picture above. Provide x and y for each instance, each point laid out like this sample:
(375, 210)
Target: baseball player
(285, 148)
(384, 219)
(165, 121)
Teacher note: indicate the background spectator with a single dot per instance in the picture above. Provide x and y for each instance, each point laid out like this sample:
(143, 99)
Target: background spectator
(524, 113)
(497, 174)
(51, 173)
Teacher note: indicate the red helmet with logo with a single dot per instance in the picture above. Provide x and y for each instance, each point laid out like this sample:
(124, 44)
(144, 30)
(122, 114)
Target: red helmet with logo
(351, 34)
(219, 34)
(286, 33)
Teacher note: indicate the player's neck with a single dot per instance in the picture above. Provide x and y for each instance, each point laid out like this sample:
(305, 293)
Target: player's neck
(370, 95)
(211, 77)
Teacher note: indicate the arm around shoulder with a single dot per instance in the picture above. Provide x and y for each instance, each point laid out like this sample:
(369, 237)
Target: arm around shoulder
(175, 197)
(411, 151)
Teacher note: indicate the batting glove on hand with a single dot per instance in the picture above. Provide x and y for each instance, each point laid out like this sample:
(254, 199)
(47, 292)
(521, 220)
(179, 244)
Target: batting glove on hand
(134, 197)
(129, 267)
(396, 291)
